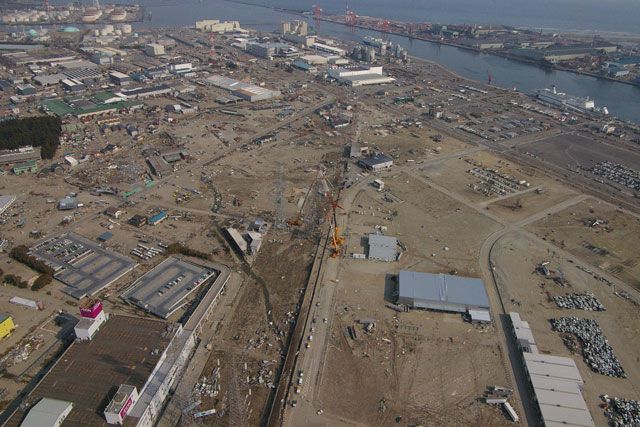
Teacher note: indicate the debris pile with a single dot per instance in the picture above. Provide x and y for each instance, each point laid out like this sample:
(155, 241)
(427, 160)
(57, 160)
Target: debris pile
(264, 376)
(586, 301)
(208, 386)
(22, 351)
(596, 350)
(622, 412)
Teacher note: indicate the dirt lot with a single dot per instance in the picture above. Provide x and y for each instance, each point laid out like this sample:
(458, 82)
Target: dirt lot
(579, 150)
(550, 194)
(529, 293)
(611, 247)
(406, 363)
(452, 174)
(425, 224)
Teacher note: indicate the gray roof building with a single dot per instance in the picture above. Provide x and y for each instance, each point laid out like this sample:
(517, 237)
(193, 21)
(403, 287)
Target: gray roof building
(375, 162)
(47, 412)
(382, 248)
(441, 292)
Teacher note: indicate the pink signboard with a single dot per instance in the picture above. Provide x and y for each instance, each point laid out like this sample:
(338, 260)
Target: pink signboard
(91, 312)
(125, 408)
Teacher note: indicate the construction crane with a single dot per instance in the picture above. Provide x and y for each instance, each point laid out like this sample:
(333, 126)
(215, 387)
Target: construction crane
(350, 17)
(386, 26)
(490, 79)
(338, 240)
(317, 11)
(335, 246)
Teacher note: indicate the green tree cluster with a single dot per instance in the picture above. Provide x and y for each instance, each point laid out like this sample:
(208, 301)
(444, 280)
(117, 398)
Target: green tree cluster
(20, 254)
(41, 131)
(41, 282)
(177, 248)
(15, 281)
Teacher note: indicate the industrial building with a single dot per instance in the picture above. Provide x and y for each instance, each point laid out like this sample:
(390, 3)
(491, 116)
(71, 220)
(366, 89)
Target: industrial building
(114, 212)
(67, 203)
(6, 325)
(441, 292)
(376, 162)
(163, 290)
(246, 91)
(25, 89)
(145, 92)
(28, 166)
(359, 75)
(328, 49)
(157, 218)
(556, 381)
(154, 49)
(269, 50)
(87, 374)
(6, 202)
(119, 78)
(47, 413)
(122, 402)
(382, 248)
(215, 26)
(92, 319)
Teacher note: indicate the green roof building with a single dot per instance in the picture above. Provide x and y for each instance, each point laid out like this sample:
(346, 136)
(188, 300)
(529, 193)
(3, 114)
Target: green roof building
(28, 166)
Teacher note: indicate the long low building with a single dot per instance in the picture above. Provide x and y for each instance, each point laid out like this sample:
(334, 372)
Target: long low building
(556, 381)
(441, 292)
(360, 75)
(246, 91)
(18, 155)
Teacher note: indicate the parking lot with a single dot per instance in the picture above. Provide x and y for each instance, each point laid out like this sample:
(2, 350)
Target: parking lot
(163, 290)
(82, 264)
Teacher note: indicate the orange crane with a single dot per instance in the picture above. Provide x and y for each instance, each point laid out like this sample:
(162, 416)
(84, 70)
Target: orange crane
(336, 233)
(335, 240)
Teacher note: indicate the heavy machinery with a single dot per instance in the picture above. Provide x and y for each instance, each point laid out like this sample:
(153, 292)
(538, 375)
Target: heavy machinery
(335, 230)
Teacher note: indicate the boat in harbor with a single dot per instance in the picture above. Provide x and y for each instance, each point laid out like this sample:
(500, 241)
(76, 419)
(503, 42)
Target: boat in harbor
(570, 102)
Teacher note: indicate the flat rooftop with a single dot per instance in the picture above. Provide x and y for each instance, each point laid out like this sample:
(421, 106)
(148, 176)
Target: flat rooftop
(163, 290)
(89, 373)
(81, 263)
(441, 291)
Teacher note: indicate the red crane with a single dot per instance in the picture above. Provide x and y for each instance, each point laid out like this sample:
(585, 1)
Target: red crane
(317, 11)
(350, 17)
(490, 78)
(386, 26)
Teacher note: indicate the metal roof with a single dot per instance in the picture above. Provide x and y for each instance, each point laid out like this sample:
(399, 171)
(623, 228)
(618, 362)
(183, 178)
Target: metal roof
(374, 160)
(442, 288)
(6, 201)
(47, 412)
(3, 317)
(382, 247)
(105, 236)
(480, 316)
(552, 367)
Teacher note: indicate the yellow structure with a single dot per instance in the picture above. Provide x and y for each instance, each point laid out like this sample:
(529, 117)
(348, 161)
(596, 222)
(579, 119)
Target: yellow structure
(6, 325)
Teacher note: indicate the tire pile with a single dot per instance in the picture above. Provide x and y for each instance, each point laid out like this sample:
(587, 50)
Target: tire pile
(596, 351)
(586, 301)
(623, 412)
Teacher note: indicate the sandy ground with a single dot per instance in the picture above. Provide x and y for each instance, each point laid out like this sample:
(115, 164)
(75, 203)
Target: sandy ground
(571, 229)
(529, 293)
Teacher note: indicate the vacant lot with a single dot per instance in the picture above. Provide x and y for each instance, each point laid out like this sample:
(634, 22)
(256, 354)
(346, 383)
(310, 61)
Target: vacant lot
(598, 233)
